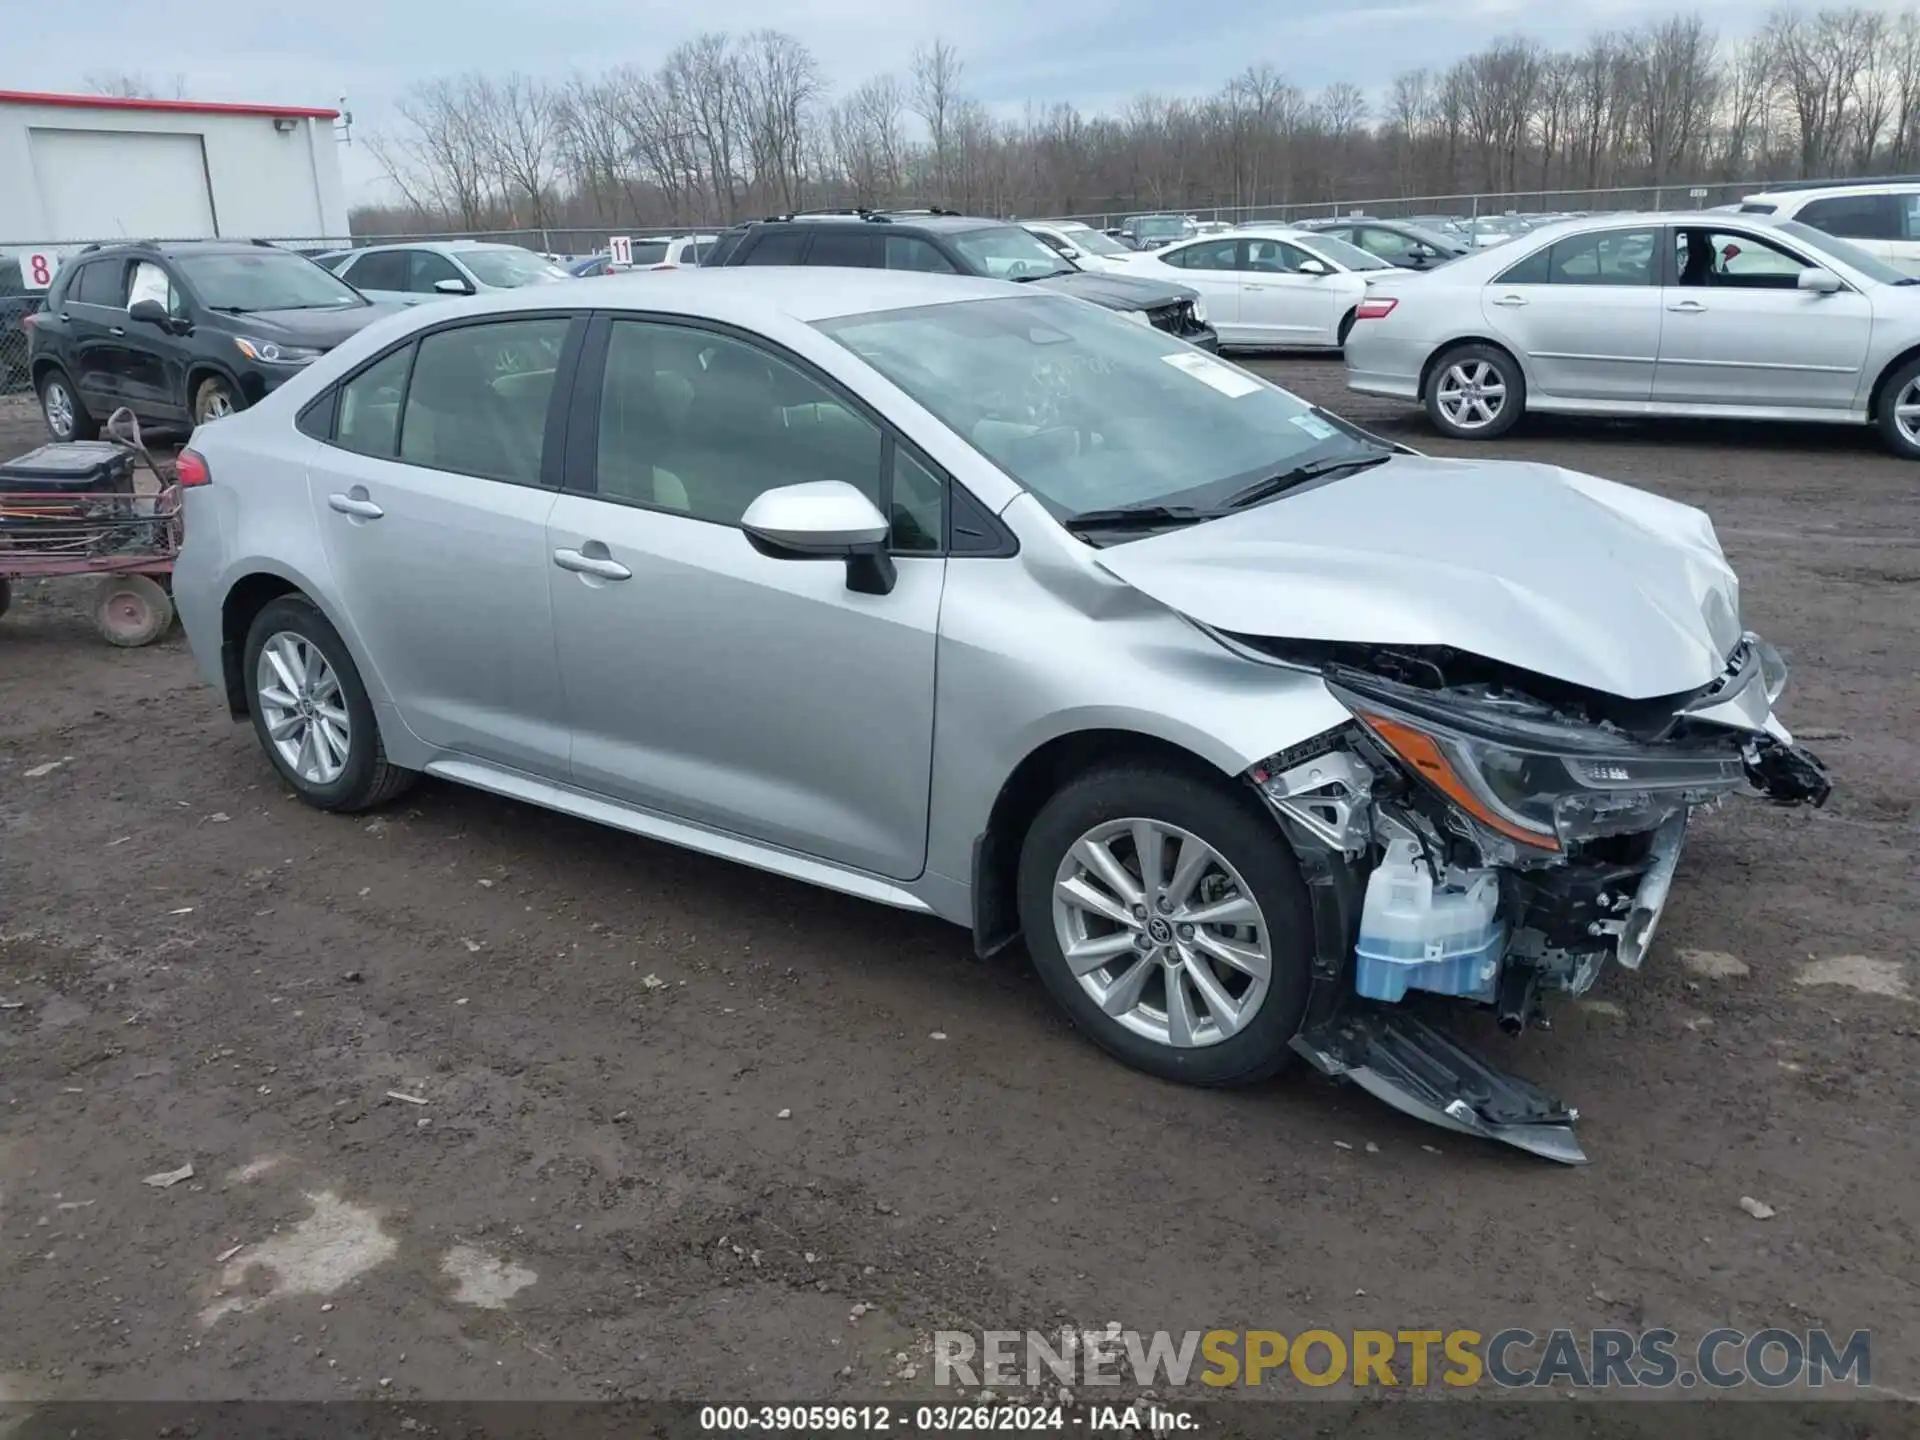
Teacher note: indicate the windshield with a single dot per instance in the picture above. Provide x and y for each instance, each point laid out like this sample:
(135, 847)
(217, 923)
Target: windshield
(1431, 238)
(1007, 252)
(1092, 241)
(1162, 227)
(265, 280)
(509, 267)
(1090, 411)
(1348, 257)
(1874, 269)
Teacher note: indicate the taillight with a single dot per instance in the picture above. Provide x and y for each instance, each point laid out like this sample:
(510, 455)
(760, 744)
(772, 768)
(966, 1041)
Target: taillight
(1377, 308)
(191, 469)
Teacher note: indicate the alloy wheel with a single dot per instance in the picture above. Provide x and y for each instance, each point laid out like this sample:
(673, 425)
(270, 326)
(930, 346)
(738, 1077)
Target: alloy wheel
(219, 405)
(303, 708)
(1162, 932)
(1906, 413)
(59, 409)
(1471, 394)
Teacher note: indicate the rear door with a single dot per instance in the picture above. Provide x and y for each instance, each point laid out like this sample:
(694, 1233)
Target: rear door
(1583, 314)
(95, 309)
(432, 501)
(1737, 329)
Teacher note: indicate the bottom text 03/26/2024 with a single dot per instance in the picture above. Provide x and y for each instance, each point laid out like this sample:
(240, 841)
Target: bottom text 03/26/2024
(940, 1419)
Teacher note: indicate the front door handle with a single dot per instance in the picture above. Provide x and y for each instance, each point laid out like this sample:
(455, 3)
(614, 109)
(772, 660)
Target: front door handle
(596, 565)
(356, 506)
(1511, 301)
(117, 332)
(1687, 307)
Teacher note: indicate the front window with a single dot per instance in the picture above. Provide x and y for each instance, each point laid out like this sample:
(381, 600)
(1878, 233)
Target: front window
(1833, 247)
(1007, 252)
(1090, 411)
(509, 267)
(1347, 257)
(264, 280)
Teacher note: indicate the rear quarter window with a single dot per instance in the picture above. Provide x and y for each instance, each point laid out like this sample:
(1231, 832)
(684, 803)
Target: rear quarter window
(781, 247)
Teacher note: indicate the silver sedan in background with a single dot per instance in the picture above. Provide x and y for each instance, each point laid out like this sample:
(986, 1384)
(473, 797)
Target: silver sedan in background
(1743, 317)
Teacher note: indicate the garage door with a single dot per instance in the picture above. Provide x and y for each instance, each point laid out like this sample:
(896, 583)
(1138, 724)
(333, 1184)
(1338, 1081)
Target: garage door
(121, 184)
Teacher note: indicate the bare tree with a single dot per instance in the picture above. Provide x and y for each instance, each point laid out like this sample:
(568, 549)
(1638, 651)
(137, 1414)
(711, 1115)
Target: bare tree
(935, 96)
(135, 85)
(781, 87)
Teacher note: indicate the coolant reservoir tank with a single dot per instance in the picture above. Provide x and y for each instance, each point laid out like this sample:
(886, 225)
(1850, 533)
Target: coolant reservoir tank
(1419, 935)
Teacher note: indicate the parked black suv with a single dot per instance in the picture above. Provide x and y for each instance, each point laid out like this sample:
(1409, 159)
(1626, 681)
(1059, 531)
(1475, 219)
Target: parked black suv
(945, 243)
(181, 333)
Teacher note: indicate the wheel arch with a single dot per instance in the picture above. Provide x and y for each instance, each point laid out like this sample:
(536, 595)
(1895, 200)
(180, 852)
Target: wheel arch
(257, 587)
(201, 371)
(1037, 778)
(1447, 347)
(1879, 391)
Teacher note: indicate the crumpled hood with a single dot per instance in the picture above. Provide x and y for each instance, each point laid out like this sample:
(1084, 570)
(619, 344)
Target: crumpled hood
(1588, 581)
(1118, 291)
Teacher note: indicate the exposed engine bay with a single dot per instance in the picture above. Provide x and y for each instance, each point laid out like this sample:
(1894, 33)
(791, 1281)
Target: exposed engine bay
(1491, 835)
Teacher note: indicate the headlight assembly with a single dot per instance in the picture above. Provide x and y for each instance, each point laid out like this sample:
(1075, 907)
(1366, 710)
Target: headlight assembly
(270, 352)
(1200, 310)
(1542, 790)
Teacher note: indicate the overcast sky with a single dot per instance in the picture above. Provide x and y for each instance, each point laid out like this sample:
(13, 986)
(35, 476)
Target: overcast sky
(1094, 53)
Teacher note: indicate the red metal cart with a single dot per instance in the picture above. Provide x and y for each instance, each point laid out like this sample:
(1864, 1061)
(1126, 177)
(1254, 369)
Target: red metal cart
(127, 538)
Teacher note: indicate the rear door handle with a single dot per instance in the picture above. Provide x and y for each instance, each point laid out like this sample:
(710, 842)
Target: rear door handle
(356, 507)
(1511, 301)
(1687, 307)
(597, 565)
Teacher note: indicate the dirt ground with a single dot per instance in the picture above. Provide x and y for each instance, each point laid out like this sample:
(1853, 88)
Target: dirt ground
(681, 1119)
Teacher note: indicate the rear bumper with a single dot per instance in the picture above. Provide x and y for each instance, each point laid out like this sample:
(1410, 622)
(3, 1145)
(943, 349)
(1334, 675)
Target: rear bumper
(1383, 365)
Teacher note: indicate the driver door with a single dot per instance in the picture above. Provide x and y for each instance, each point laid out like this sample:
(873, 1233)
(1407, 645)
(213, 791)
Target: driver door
(1281, 305)
(752, 696)
(153, 371)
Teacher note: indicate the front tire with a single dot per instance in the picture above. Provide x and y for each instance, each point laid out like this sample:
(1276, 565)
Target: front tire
(1901, 431)
(66, 417)
(213, 400)
(311, 711)
(1476, 392)
(1167, 917)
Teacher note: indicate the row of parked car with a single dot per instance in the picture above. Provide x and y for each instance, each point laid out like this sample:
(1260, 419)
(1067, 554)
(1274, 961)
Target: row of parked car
(1603, 314)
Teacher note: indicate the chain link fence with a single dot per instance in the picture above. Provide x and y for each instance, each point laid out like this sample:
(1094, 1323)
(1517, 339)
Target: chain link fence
(1463, 206)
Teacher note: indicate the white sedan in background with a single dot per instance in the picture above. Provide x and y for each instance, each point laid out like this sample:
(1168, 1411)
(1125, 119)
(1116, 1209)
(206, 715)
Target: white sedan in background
(1704, 314)
(1272, 286)
(1080, 243)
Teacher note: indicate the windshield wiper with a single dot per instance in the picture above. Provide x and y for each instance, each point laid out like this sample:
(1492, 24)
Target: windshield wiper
(232, 309)
(1049, 275)
(1313, 470)
(1140, 517)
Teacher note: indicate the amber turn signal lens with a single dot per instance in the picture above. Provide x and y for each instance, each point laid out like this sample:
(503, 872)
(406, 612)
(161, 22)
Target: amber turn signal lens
(1430, 762)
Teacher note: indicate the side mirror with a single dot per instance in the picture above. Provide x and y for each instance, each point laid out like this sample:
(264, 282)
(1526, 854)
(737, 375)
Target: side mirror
(150, 312)
(453, 287)
(1313, 267)
(1820, 282)
(824, 520)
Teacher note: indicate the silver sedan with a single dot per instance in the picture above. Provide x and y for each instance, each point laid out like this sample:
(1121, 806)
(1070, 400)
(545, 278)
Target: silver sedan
(1709, 314)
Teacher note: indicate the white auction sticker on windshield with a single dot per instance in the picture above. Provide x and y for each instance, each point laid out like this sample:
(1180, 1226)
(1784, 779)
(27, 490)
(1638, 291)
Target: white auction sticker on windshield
(1315, 426)
(1208, 371)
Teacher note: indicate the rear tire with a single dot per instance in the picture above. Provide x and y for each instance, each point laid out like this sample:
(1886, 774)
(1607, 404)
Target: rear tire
(1124, 994)
(60, 407)
(6, 594)
(1346, 329)
(311, 711)
(1902, 391)
(1475, 392)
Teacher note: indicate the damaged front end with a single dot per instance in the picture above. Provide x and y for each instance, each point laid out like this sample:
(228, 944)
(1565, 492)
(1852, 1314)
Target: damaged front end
(1491, 835)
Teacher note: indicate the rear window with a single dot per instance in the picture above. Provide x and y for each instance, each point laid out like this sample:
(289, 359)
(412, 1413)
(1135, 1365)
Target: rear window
(10, 283)
(649, 252)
